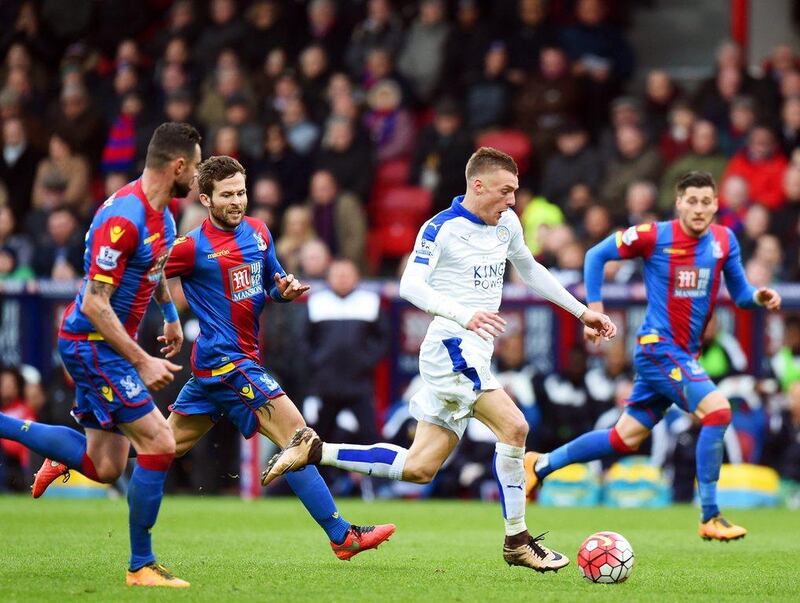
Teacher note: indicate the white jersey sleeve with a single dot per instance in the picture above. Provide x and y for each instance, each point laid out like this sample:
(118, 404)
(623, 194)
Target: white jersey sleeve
(536, 276)
(414, 286)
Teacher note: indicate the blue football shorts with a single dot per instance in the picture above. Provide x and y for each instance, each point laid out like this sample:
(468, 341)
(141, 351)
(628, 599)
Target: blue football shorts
(108, 390)
(665, 374)
(237, 395)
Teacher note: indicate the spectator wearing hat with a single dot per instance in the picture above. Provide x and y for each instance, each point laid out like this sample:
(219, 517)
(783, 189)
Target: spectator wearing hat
(442, 150)
(279, 160)
(574, 162)
(390, 126)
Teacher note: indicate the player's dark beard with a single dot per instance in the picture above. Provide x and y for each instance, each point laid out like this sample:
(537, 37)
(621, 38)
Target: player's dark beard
(221, 216)
(181, 189)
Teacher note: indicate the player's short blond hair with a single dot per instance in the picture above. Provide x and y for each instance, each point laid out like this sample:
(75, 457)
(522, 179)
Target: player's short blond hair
(487, 159)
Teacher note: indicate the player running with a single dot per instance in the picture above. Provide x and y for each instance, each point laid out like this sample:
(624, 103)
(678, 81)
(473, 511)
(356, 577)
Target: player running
(228, 268)
(683, 262)
(456, 273)
(126, 249)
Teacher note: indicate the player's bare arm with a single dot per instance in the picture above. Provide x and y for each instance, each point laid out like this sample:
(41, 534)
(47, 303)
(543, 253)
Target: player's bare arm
(289, 287)
(155, 372)
(172, 337)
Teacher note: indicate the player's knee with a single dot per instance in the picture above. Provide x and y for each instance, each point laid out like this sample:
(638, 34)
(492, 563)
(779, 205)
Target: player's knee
(627, 443)
(163, 442)
(516, 432)
(108, 473)
(419, 474)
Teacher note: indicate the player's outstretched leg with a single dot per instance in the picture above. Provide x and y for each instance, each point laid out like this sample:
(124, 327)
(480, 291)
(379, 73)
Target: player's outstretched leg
(64, 448)
(709, 460)
(347, 540)
(277, 417)
(588, 447)
(155, 448)
(306, 448)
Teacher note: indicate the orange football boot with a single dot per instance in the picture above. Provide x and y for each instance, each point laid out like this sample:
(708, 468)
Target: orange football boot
(154, 574)
(47, 474)
(362, 538)
(719, 528)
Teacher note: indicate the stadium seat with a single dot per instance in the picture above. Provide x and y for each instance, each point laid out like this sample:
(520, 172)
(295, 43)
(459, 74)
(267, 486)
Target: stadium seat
(514, 142)
(408, 205)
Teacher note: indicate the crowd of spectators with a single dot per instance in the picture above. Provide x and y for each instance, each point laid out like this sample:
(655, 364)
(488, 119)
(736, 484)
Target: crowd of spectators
(331, 105)
(320, 100)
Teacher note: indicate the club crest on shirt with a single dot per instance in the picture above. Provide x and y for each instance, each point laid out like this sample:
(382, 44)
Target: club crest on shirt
(132, 387)
(262, 244)
(503, 233)
(107, 257)
(268, 381)
(716, 249)
(245, 280)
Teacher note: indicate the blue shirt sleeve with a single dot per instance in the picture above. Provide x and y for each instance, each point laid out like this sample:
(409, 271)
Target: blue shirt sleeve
(271, 266)
(741, 291)
(594, 266)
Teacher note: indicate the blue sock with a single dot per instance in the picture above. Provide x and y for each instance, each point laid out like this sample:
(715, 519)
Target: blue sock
(588, 447)
(59, 443)
(145, 491)
(311, 489)
(710, 448)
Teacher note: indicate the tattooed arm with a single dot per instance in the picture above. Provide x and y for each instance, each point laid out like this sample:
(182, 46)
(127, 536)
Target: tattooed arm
(155, 372)
(173, 333)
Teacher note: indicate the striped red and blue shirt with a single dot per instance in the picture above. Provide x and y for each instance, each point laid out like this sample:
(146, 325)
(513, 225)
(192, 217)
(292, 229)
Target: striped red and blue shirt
(682, 275)
(226, 276)
(127, 246)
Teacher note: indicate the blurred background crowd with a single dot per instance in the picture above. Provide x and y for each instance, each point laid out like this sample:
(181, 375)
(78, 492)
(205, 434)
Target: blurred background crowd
(354, 120)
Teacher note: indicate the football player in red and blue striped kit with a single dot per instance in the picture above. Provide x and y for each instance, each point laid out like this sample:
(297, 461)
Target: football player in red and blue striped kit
(127, 247)
(228, 269)
(684, 260)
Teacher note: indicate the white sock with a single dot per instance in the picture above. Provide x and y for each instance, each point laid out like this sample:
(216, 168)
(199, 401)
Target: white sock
(378, 460)
(509, 472)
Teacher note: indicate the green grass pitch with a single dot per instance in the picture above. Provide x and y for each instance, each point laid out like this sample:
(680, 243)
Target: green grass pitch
(270, 550)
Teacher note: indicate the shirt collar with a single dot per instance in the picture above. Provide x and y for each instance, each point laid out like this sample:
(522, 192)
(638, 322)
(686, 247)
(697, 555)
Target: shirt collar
(460, 210)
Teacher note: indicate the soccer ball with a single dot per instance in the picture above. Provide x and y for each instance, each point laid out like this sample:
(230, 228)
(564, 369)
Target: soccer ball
(606, 558)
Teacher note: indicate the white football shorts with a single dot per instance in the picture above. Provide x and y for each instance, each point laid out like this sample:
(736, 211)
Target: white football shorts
(456, 370)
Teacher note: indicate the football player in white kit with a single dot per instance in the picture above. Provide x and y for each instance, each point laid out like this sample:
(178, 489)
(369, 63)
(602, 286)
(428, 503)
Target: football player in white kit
(456, 273)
